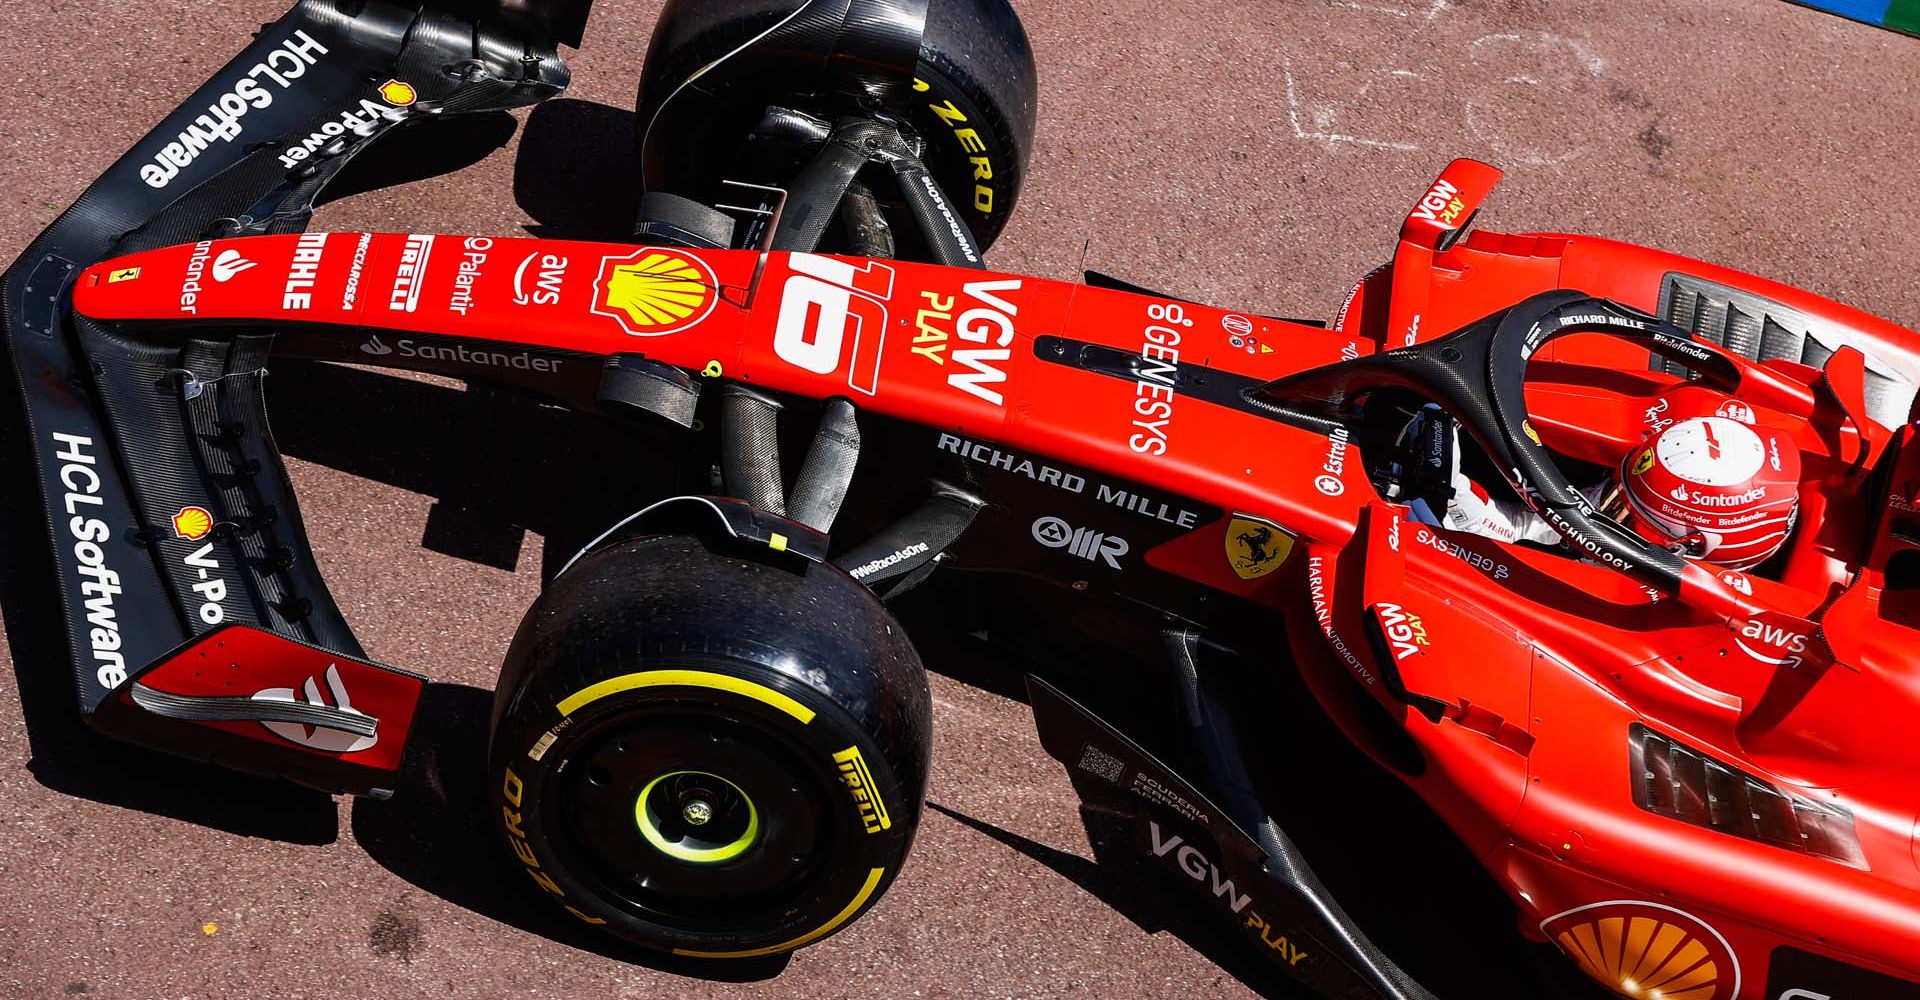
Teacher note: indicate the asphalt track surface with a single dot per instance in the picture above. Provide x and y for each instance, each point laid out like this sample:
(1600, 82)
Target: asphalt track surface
(1257, 154)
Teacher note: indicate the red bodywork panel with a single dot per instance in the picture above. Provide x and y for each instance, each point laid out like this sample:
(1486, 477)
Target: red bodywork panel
(1531, 666)
(243, 662)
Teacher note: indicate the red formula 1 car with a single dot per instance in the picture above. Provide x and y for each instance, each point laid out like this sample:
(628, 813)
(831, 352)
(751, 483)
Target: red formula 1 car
(1611, 555)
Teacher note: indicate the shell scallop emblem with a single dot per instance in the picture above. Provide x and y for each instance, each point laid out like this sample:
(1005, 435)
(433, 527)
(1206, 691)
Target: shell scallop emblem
(398, 93)
(193, 523)
(654, 291)
(1647, 951)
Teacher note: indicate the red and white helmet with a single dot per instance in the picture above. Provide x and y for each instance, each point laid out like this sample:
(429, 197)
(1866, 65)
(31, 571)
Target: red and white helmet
(1716, 489)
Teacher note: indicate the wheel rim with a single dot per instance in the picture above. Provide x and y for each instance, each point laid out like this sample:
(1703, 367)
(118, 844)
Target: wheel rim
(769, 838)
(696, 817)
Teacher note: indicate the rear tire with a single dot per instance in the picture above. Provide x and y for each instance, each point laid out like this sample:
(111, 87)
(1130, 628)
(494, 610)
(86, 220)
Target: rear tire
(707, 755)
(972, 101)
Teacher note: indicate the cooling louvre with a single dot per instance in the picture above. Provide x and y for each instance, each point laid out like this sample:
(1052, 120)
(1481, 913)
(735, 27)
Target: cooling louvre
(1677, 781)
(1763, 330)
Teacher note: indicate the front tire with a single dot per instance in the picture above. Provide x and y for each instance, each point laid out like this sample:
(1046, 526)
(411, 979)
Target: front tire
(709, 755)
(705, 85)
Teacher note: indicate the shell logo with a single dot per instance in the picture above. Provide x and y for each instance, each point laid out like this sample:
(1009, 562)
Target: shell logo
(1647, 951)
(193, 523)
(652, 292)
(398, 93)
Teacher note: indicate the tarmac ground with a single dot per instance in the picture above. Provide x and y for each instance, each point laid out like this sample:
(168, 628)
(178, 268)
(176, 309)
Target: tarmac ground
(1259, 154)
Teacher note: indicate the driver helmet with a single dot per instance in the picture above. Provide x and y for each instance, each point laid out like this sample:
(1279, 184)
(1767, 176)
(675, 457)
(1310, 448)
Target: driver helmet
(1715, 489)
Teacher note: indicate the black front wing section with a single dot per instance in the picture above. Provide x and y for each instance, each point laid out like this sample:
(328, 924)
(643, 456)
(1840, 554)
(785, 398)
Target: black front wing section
(195, 617)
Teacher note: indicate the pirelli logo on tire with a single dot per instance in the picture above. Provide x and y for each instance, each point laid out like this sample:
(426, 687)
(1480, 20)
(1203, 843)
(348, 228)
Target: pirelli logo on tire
(866, 798)
(514, 790)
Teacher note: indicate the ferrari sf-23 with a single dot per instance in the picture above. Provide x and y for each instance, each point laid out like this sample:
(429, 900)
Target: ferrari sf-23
(1612, 556)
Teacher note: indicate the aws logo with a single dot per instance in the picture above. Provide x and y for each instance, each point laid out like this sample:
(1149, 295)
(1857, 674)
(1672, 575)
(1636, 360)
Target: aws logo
(1774, 639)
(652, 292)
(1647, 950)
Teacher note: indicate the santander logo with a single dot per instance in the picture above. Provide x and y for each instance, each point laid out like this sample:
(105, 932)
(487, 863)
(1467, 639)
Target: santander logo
(318, 737)
(228, 264)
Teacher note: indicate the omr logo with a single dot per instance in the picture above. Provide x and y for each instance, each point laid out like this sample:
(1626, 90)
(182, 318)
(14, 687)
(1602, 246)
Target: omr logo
(319, 737)
(653, 292)
(1086, 543)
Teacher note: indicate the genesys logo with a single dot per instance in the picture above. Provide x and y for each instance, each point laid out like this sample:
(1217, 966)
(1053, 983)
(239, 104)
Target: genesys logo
(653, 292)
(318, 737)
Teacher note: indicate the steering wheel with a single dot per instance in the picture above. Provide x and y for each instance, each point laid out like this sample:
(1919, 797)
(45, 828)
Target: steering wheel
(1478, 375)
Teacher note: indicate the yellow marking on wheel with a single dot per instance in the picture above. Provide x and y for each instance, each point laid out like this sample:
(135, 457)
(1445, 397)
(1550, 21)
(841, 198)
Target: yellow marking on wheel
(684, 678)
(643, 817)
(859, 899)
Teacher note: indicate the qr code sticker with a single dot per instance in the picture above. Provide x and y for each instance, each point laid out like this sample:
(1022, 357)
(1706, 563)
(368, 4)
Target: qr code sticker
(1094, 760)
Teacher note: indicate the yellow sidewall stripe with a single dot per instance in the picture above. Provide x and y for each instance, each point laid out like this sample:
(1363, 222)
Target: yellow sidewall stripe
(684, 678)
(859, 899)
